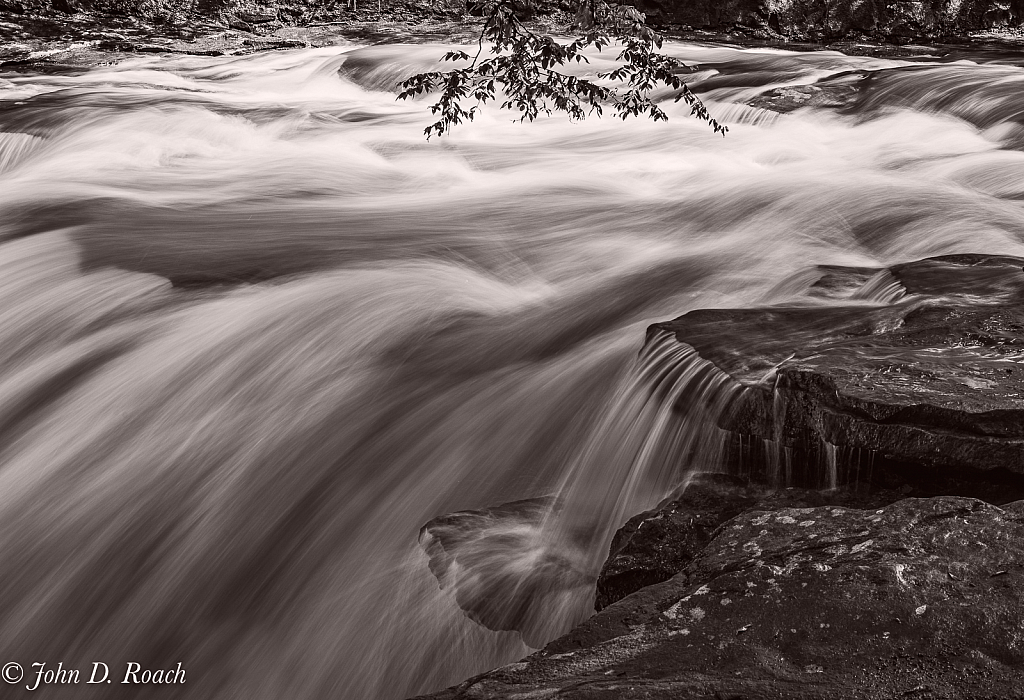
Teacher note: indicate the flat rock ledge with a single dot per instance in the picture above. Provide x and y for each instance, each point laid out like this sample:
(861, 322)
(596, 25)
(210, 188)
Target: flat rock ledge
(909, 374)
(923, 598)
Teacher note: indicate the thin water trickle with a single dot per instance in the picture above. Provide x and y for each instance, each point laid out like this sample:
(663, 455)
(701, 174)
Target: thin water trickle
(831, 466)
(778, 459)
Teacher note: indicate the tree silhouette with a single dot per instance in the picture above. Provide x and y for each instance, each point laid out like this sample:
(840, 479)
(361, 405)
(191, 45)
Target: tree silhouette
(524, 67)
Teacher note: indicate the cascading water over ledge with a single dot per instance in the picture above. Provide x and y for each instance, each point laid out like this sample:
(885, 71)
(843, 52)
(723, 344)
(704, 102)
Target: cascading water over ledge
(923, 389)
(531, 565)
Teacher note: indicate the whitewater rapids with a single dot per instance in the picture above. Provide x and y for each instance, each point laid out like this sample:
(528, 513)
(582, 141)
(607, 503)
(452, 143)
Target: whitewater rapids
(255, 331)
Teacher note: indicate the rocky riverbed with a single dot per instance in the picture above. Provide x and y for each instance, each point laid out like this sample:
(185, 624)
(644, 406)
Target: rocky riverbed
(827, 559)
(917, 599)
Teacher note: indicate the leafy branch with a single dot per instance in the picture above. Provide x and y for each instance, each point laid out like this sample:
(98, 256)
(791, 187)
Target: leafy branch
(524, 67)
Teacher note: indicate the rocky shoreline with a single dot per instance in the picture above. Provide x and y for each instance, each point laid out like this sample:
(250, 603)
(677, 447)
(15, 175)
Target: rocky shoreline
(76, 36)
(83, 41)
(917, 599)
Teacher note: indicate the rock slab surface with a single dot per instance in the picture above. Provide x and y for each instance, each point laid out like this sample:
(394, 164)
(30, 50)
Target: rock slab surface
(656, 545)
(915, 369)
(920, 599)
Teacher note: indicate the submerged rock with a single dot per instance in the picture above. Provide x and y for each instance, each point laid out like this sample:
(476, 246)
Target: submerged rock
(837, 91)
(503, 569)
(917, 378)
(922, 599)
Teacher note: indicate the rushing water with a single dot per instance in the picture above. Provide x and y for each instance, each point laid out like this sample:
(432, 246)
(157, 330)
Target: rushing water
(255, 332)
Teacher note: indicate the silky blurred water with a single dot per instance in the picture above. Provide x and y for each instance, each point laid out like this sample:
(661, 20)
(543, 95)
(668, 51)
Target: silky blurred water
(255, 331)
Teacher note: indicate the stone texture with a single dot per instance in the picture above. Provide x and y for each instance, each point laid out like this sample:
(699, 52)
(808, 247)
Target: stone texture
(656, 545)
(835, 19)
(13, 51)
(927, 388)
(920, 599)
(653, 546)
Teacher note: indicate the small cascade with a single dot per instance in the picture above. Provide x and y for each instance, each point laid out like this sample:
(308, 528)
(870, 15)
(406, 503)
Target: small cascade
(881, 288)
(801, 461)
(660, 427)
(531, 565)
(733, 113)
(687, 395)
(858, 464)
(779, 469)
(14, 147)
(831, 461)
(781, 456)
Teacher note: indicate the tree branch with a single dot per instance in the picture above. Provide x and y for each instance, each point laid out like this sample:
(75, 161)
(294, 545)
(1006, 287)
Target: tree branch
(523, 66)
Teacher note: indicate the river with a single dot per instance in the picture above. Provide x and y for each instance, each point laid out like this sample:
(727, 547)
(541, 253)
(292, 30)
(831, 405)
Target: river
(255, 331)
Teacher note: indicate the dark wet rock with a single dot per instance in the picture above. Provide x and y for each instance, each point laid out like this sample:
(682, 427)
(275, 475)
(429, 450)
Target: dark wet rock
(39, 40)
(252, 21)
(238, 23)
(269, 43)
(838, 91)
(817, 21)
(656, 545)
(256, 17)
(925, 388)
(14, 52)
(919, 599)
(114, 42)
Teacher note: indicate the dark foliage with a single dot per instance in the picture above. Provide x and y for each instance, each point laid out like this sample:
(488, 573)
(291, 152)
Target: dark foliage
(524, 67)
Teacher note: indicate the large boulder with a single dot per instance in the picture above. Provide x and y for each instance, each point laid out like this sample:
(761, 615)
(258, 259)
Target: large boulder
(914, 376)
(919, 599)
(656, 545)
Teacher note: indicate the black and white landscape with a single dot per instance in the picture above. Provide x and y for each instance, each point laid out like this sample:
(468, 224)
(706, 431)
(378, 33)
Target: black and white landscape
(304, 405)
